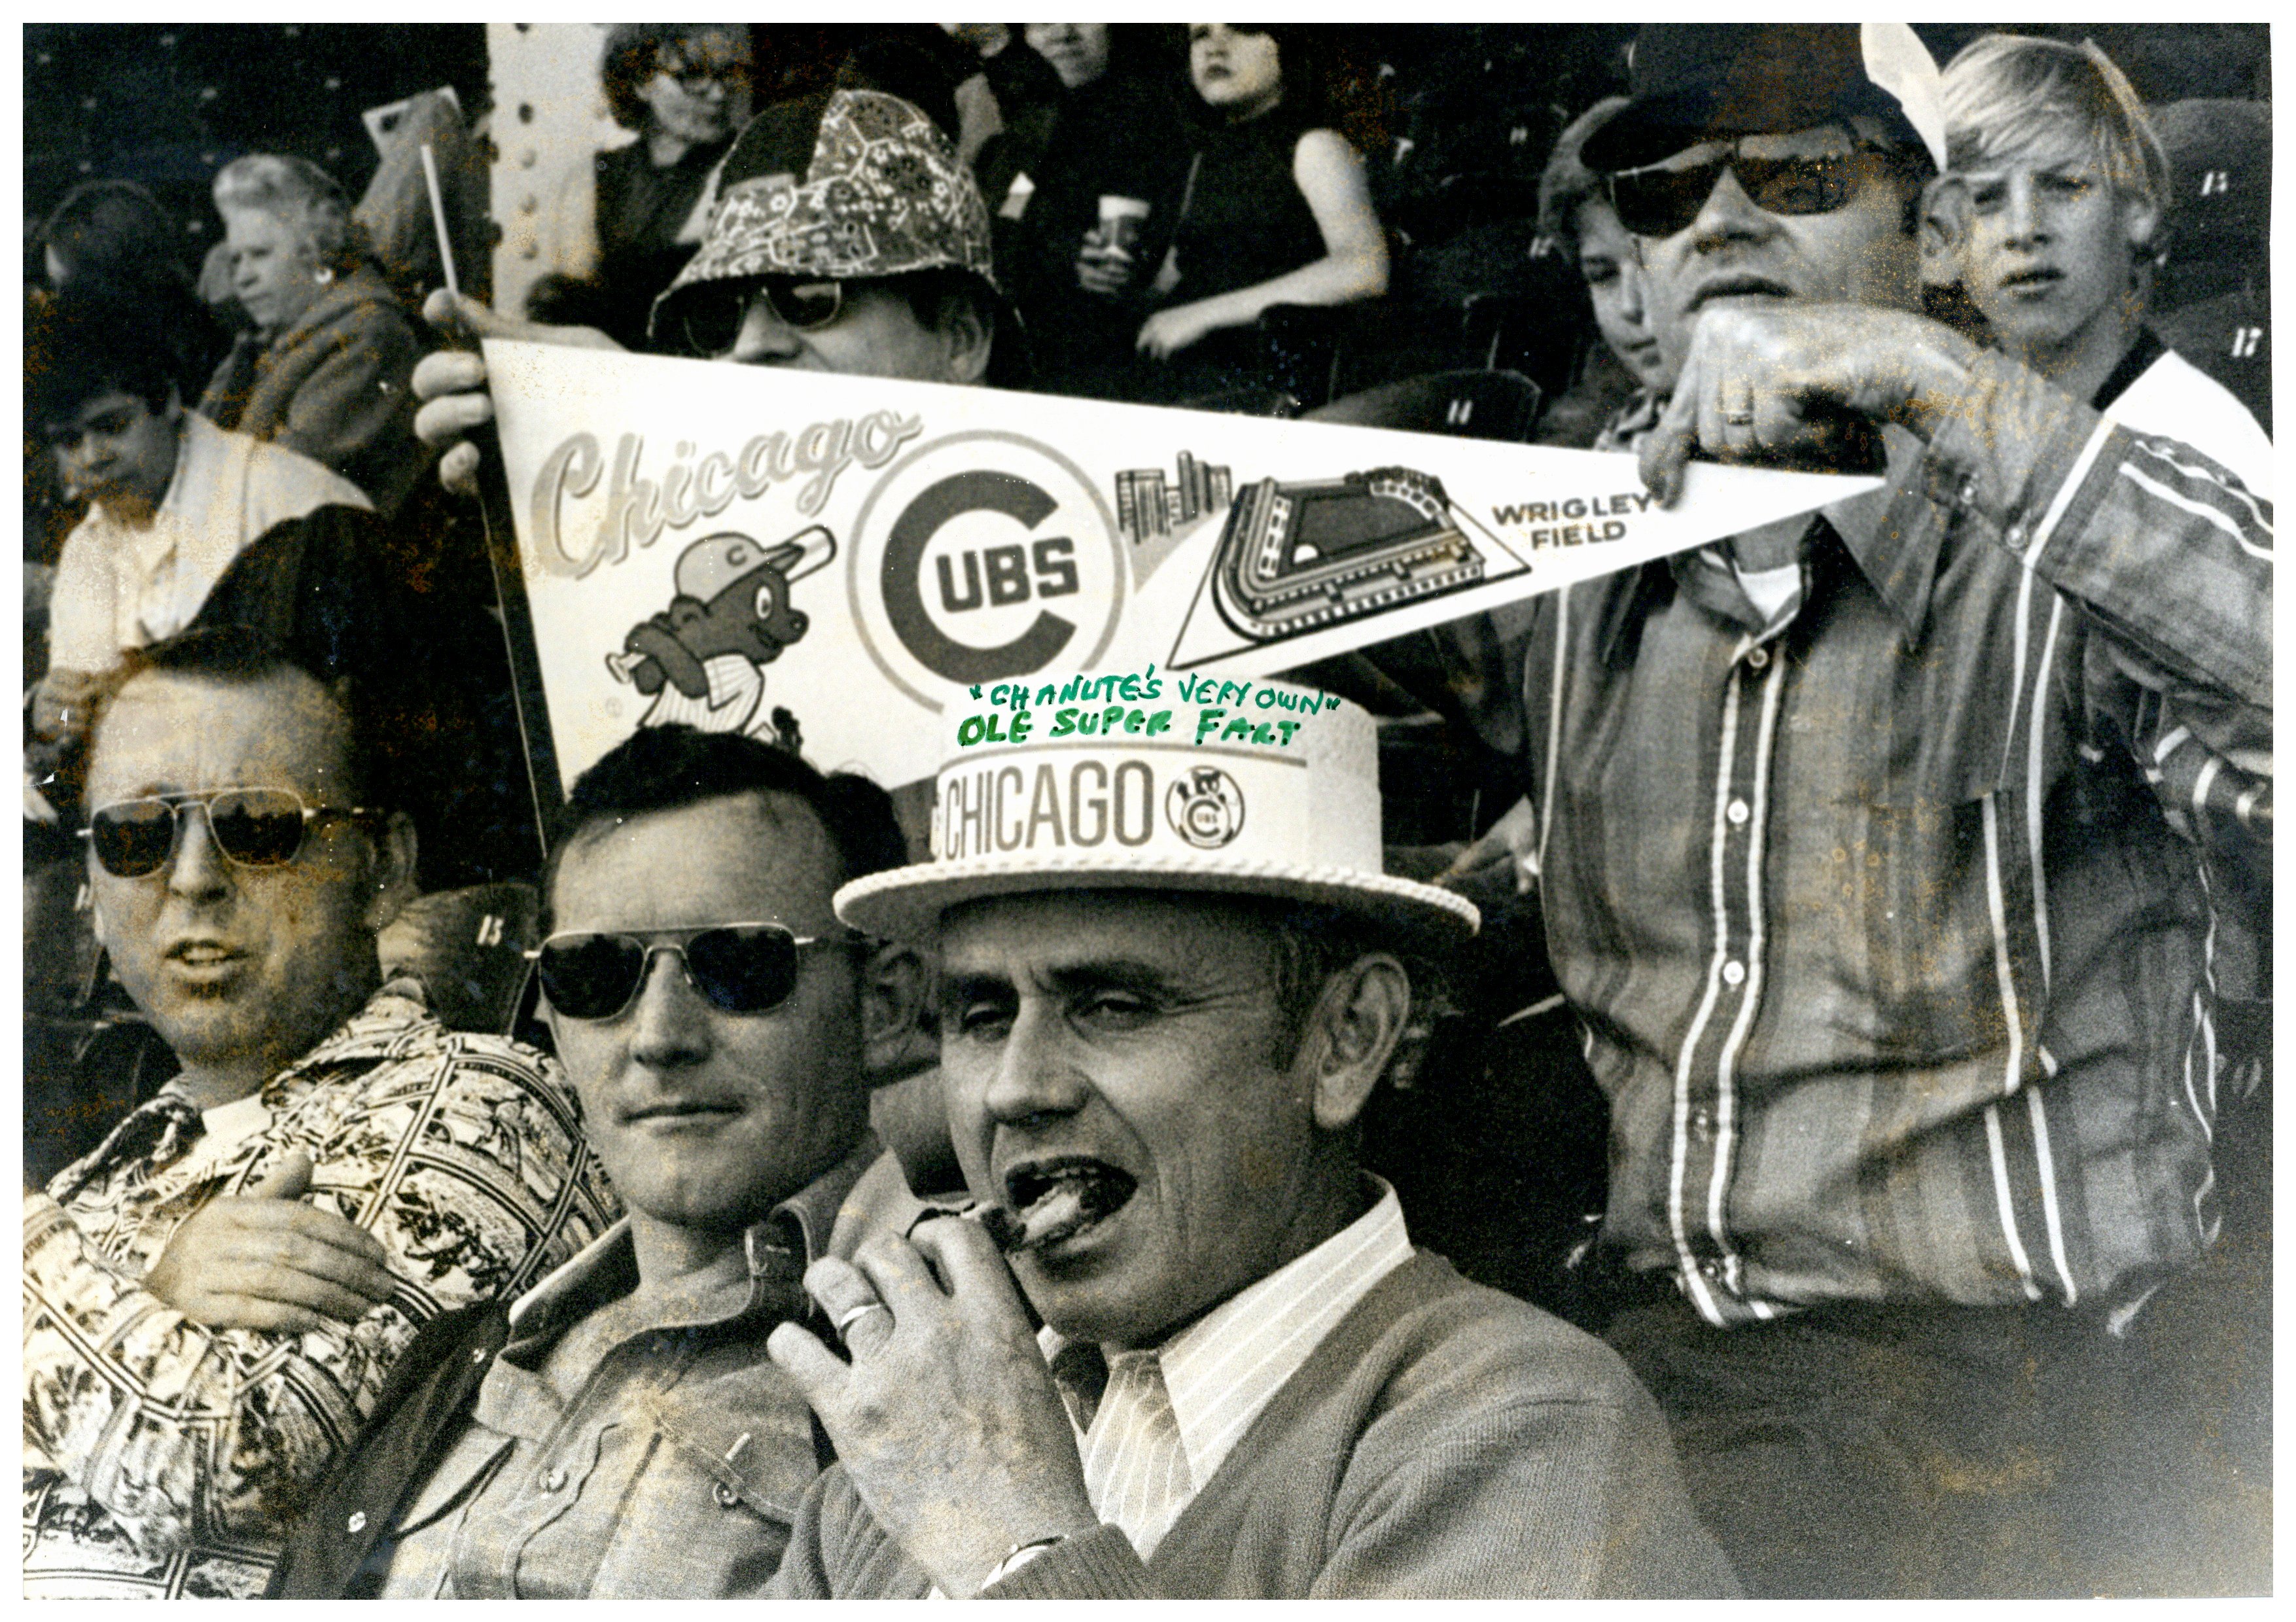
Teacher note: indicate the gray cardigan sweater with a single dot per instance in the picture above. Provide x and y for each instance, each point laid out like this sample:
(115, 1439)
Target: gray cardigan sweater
(1445, 1441)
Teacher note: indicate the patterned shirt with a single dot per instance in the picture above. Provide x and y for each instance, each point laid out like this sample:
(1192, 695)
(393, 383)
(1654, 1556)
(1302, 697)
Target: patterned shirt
(1887, 919)
(161, 1458)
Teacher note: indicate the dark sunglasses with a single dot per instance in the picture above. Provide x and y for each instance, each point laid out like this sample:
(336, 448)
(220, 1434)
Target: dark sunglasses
(711, 313)
(1662, 201)
(741, 968)
(134, 839)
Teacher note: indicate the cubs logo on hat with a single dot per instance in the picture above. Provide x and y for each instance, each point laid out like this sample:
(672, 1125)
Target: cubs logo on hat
(1270, 789)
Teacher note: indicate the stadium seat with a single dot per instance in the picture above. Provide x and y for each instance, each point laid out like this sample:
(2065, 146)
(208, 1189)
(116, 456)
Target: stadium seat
(1466, 405)
(2212, 297)
(468, 947)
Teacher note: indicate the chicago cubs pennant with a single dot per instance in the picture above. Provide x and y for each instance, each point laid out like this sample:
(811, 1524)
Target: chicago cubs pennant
(839, 560)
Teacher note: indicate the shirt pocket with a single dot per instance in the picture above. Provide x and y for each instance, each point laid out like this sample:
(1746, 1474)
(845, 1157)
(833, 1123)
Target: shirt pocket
(1996, 667)
(713, 1515)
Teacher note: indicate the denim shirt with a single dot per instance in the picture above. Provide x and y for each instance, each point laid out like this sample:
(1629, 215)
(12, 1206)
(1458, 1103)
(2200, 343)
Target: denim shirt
(613, 1453)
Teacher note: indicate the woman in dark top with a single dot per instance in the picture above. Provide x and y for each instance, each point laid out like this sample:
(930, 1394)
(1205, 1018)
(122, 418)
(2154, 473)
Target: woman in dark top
(1084, 207)
(1275, 210)
(685, 87)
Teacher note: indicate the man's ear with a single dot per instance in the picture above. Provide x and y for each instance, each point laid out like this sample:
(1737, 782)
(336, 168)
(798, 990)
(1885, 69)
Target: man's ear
(896, 1035)
(1351, 1035)
(393, 876)
(969, 330)
(2140, 222)
(1943, 224)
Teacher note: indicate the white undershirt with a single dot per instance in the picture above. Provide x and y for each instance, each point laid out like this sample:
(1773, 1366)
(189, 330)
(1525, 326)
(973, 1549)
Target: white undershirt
(225, 1127)
(1769, 590)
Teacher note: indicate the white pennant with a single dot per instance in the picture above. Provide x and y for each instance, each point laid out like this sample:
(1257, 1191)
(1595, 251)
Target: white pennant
(710, 544)
(1897, 60)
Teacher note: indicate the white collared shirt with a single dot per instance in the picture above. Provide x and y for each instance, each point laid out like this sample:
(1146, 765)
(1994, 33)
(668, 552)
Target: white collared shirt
(120, 587)
(1220, 1371)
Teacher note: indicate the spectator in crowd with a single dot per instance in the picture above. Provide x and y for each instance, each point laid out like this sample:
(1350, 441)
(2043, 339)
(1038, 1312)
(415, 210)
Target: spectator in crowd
(715, 1020)
(395, 209)
(215, 1296)
(1274, 210)
(115, 234)
(1873, 852)
(1574, 211)
(776, 286)
(619, 225)
(1155, 1062)
(2053, 198)
(172, 498)
(1085, 211)
(876, 263)
(327, 368)
(1024, 89)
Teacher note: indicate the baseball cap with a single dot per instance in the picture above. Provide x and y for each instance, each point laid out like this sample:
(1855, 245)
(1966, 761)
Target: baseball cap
(1713, 81)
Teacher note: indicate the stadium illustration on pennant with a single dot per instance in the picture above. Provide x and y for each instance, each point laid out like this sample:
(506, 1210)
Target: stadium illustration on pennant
(1313, 555)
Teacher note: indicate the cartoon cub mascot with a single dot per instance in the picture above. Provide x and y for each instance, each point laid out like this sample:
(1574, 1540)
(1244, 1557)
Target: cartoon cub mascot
(702, 659)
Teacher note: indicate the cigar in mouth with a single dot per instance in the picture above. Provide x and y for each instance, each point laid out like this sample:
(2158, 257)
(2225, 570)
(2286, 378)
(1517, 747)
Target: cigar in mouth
(1062, 1206)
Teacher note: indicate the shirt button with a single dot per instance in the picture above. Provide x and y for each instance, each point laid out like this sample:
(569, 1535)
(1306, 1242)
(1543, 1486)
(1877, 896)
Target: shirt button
(357, 1522)
(479, 1355)
(1760, 658)
(1702, 1123)
(555, 1479)
(1733, 973)
(1737, 813)
(726, 1496)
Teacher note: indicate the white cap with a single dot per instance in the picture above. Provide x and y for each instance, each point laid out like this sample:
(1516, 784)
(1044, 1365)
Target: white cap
(1245, 788)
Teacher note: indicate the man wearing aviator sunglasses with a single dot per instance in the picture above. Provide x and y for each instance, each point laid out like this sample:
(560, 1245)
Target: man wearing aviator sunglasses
(1906, 1033)
(216, 1295)
(620, 1432)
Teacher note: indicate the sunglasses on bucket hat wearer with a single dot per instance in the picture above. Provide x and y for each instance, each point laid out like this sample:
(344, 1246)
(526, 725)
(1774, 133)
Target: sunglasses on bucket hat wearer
(740, 968)
(253, 827)
(1662, 199)
(710, 315)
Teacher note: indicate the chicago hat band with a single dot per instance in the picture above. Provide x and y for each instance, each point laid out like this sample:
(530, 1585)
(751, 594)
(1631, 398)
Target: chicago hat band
(1271, 797)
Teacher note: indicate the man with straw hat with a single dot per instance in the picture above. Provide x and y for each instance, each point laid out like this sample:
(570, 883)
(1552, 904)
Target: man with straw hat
(1172, 974)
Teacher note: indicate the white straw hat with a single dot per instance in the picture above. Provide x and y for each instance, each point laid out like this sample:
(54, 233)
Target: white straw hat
(1238, 788)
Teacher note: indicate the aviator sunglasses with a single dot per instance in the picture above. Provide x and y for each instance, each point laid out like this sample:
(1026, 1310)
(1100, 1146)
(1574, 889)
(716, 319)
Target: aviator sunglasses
(1660, 201)
(711, 313)
(134, 839)
(741, 968)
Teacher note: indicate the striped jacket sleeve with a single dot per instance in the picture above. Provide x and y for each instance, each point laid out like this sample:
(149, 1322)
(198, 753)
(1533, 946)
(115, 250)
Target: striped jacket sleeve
(473, 1177)
(2170, 557)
